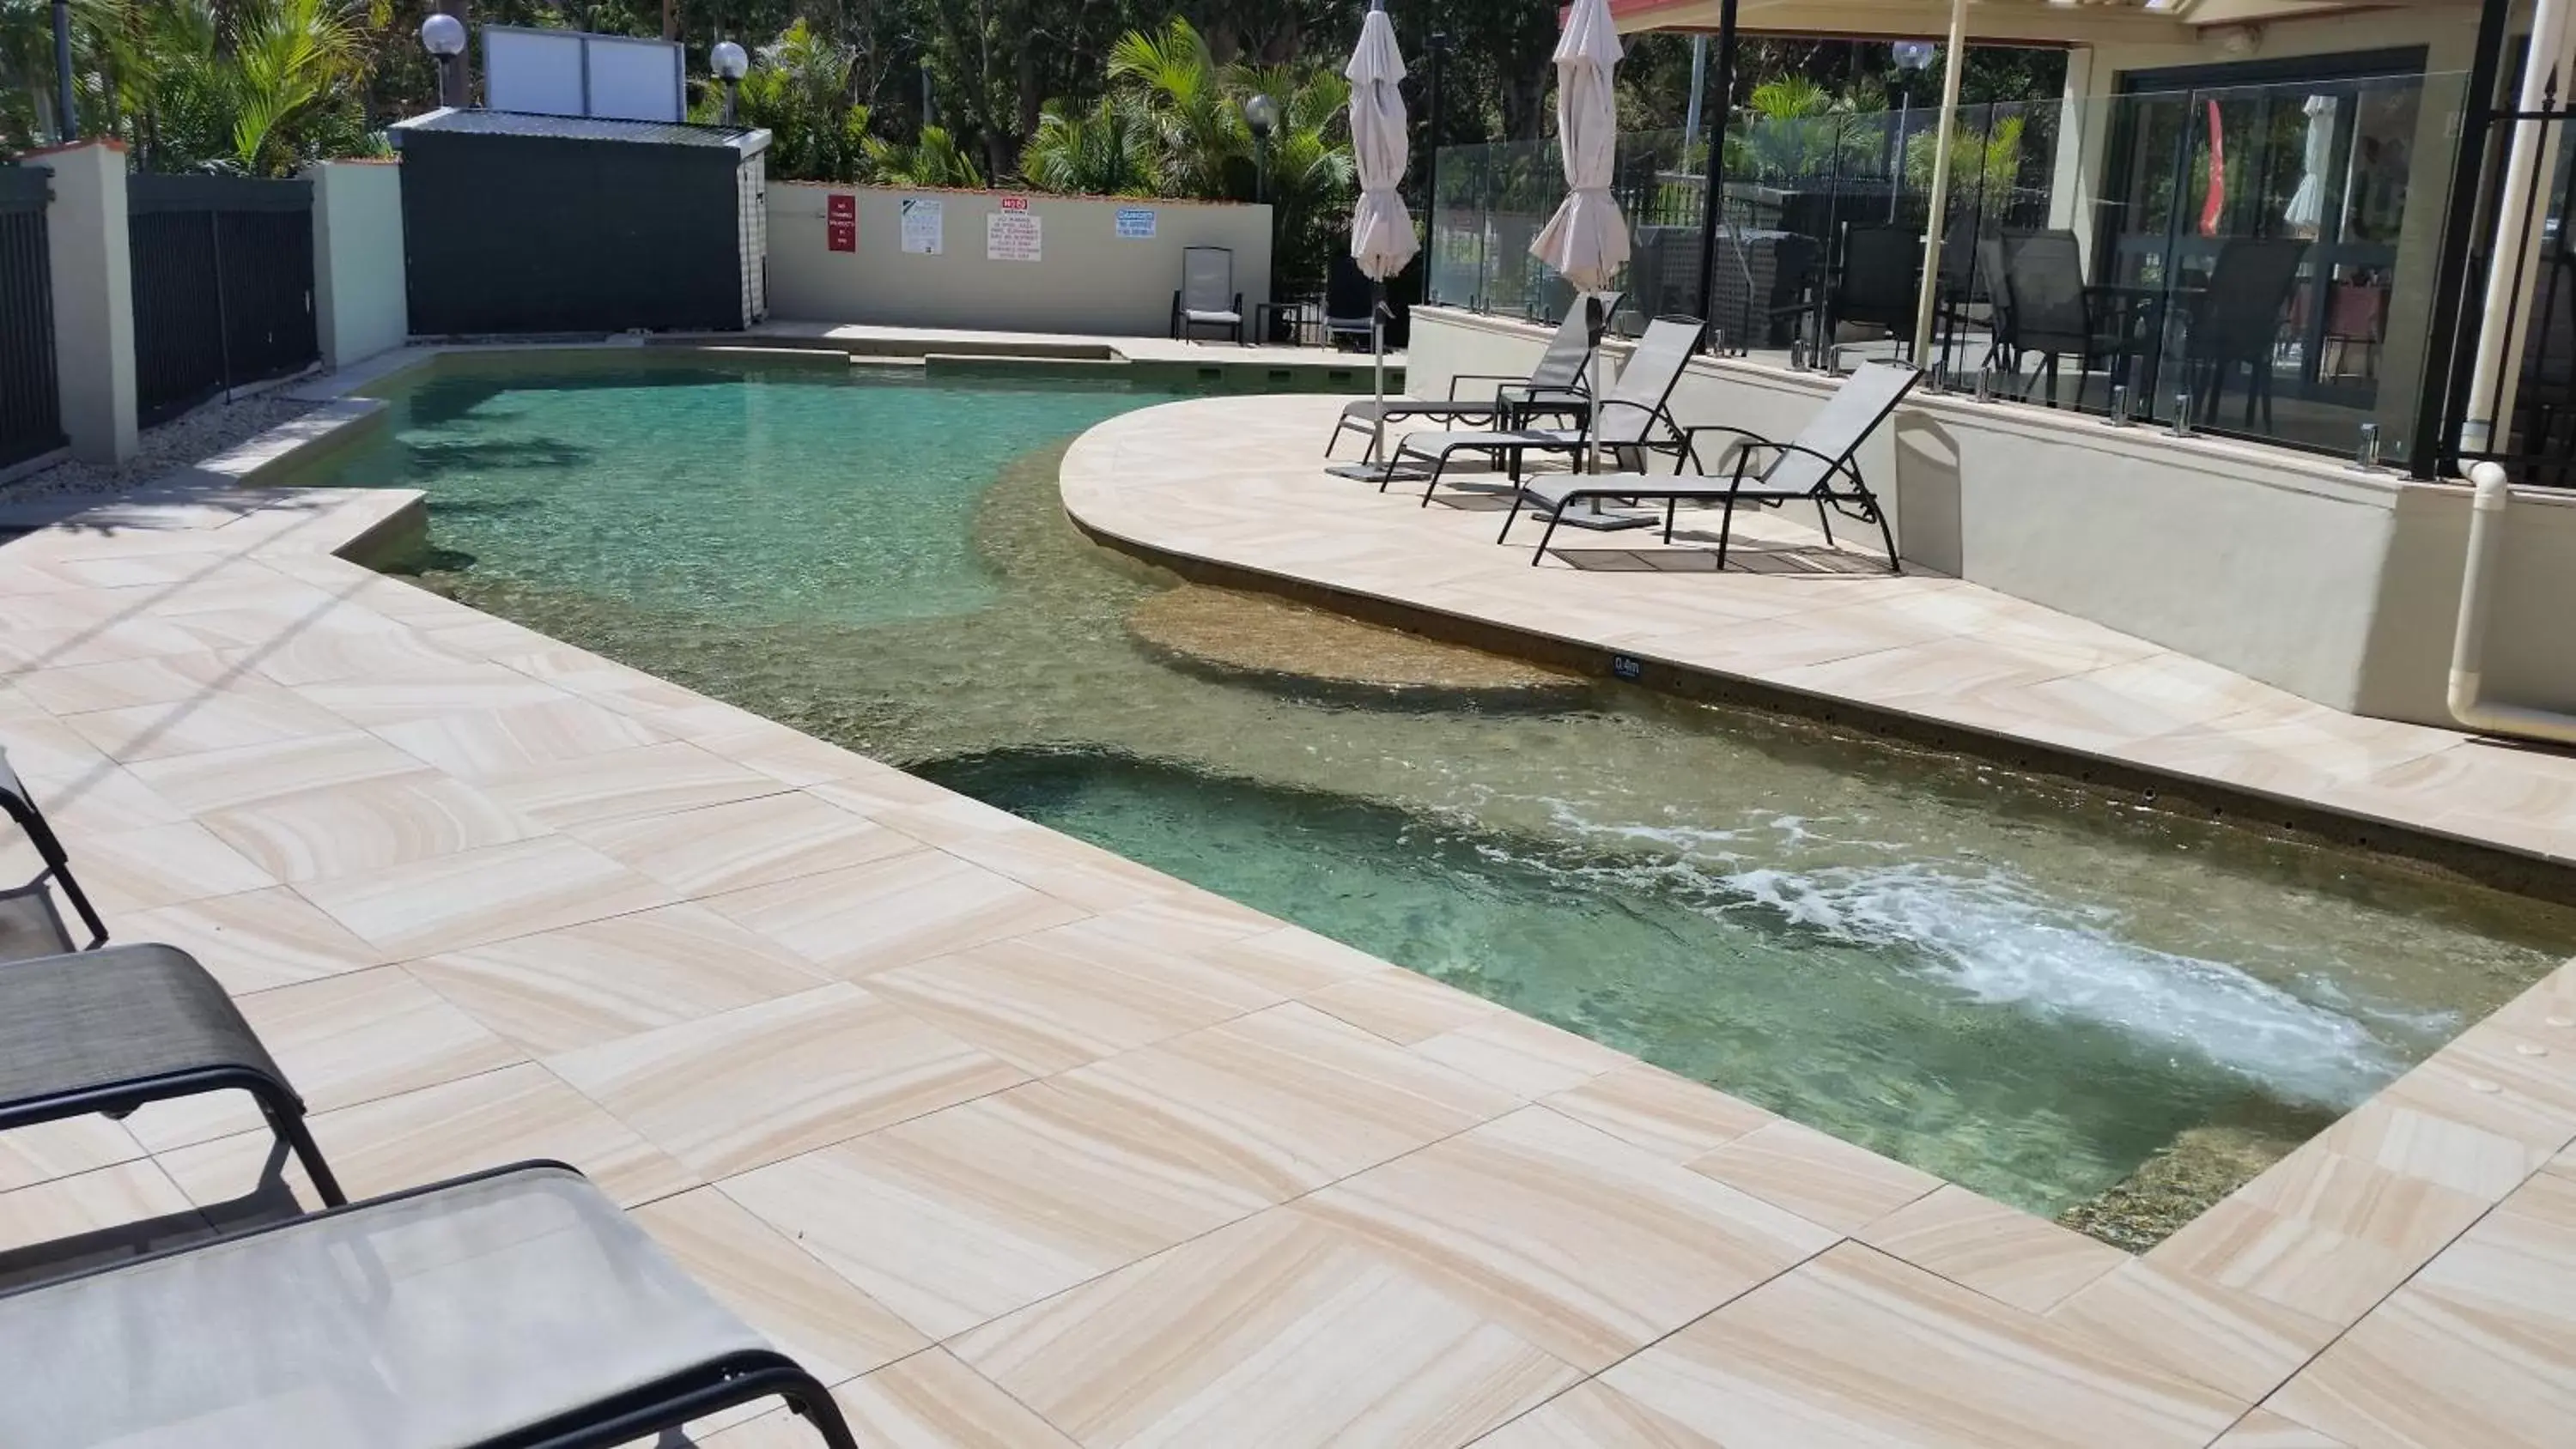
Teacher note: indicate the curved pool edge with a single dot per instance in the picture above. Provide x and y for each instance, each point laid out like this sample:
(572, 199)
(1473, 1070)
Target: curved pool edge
(1228, 491)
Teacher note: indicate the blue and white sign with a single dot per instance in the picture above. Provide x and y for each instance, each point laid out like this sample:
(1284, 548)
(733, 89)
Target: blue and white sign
(1136, 223)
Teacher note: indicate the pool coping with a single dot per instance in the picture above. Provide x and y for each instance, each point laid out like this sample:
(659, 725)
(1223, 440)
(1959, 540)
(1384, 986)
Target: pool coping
(2277, 1260)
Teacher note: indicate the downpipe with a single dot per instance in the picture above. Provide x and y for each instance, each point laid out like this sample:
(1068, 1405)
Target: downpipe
(2487, 508)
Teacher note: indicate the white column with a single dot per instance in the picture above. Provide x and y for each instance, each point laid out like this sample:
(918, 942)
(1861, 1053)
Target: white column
(93, 294)
(359, 303)
(1954, 61)
(2503, 323)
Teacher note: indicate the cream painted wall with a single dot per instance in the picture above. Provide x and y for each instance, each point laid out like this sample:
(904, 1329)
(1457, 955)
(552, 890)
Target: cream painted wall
(2337, 586)
(359, 302)
(91, 262)
(1089, 279)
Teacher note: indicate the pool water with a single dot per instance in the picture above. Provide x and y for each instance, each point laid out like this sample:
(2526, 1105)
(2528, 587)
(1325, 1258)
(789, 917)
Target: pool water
(2021, 987)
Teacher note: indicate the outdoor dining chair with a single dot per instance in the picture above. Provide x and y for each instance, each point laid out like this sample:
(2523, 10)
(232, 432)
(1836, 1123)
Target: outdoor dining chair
(2050, 313)
(2236, 322)
(513, 1309)
(1876, 283)
(1207, 297)
(1820, 465)
(30, 923)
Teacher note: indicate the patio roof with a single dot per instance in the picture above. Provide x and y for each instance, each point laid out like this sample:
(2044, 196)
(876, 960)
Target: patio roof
(2038, 22)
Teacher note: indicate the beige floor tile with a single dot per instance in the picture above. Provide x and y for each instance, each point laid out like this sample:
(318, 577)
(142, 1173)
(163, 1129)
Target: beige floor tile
(341, 1040)
(2479, 1348)
(730, 847)
(2321, 1233)
(906, 908)
(1855, 1347)
(1061, 866)
(258, 939)
(65, 1148)
(490, 744)
(2391, 1133)
(339, 655)
(92, 1219)
(2263, 1429)
(1576, 1241)
(784, 754)
(451, 902)
(128, 683)
(1523, 1056)
(392, 698)
(829, 1327)
(512, 1115)
(1405, 1007)
(1823, 1179)
(753, 1085)
(258, 715)
(1593, 1415)
(620, 784)
(126, 871)
(2171, 1321)
(1059, 998)
(1673, 1117)
(98, 801)
(1310, 1098)
(227, 779)
(561, 990)
(1277, 1331)
(1291, 960)
(969, 1213)
(366, 825)
(927, 1401)
(2002, 1252)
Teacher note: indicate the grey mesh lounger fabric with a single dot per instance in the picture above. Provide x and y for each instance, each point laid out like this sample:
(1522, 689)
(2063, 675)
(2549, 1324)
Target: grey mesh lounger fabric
(112, 1029)
(515, 1308)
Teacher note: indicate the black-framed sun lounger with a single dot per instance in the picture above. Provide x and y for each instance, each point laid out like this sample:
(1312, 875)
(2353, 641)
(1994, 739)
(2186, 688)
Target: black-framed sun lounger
(1558, 386)
(1635, 417)
(513, 1309)
(30, 925)
(1820, 465)
(113, 1029)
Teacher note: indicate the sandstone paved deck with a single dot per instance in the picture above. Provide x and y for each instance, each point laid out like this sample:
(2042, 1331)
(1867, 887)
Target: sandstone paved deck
(1020, 1144)
(1239, 481)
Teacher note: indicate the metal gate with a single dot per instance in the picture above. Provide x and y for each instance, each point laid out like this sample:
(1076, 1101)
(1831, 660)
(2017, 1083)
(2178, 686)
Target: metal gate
(223, 286)
(30, 414)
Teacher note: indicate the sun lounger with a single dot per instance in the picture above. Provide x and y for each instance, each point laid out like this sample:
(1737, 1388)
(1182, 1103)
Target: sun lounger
(1557, 386)
(112, 1029)
(512, 1309)
(30, 924)
(1635, 417)
(1818, 465)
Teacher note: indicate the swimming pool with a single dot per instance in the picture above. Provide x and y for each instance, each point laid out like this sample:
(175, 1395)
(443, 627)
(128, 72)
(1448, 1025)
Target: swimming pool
(2023, 988)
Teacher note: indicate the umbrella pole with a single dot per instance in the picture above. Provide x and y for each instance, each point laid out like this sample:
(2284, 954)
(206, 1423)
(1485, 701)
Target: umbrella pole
(1377, 346)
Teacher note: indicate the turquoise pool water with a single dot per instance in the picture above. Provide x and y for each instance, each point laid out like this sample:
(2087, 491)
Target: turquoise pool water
(2023, 988)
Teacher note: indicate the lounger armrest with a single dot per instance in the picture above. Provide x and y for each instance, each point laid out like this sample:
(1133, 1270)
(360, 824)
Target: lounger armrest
(1479, 377)
(1745, 438)
(1832, 467)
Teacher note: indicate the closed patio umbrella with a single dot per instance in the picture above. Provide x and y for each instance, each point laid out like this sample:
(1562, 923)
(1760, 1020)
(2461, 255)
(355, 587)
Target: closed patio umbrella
(1587, 240)
(2306, 210)
(1382, 240)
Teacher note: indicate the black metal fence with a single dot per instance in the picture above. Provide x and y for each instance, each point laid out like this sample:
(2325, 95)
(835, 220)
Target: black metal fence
(223, 286)
(30, 413)
(2530, 426)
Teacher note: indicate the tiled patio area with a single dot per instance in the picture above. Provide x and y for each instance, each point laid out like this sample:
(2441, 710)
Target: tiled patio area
(1021, 1144)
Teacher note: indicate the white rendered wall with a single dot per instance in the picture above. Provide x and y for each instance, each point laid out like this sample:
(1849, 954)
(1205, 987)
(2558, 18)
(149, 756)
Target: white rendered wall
(359, 306)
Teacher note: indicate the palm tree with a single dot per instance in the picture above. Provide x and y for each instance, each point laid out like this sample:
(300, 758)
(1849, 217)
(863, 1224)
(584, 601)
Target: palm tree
(798, 90)
(288, 58)
(1205, 142)
(1108, 152)
(934, 161)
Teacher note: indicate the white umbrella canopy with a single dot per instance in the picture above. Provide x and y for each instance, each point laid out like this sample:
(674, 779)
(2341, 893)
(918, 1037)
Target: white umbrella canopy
(1382, 240)
(1587, 240)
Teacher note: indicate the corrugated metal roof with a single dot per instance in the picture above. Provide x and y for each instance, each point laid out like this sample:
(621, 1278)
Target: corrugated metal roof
(581, 128)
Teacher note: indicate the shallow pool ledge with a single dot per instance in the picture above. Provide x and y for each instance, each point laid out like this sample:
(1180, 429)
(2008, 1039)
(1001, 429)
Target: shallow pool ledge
(1233, 490)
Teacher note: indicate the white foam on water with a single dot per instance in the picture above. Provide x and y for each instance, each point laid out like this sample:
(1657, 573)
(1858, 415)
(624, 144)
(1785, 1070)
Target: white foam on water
(1994, 940)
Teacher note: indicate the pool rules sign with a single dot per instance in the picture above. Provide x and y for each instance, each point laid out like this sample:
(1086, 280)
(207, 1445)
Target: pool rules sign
(841, 221)
(1013, 233)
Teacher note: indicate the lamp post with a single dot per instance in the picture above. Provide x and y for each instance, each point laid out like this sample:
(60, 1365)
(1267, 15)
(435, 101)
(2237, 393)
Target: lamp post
(66, 120)
(730, 64)
(1911, 57)
(443, 36)
(1443, 44)
(1262, 114)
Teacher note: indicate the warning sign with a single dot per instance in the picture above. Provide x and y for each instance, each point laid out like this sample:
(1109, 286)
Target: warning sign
(1013, 235)
(841, 222)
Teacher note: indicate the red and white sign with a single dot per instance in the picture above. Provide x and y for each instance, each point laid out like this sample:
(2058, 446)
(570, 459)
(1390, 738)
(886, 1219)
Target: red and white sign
(1015, 203)
(841, 221)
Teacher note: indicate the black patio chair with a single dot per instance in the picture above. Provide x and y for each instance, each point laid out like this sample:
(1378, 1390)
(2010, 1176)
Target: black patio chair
(512, 1309)
(30, 924)
(1207, 284)
(2236, 322)
(2051, 313)
(113, 1029)
(1877, 283)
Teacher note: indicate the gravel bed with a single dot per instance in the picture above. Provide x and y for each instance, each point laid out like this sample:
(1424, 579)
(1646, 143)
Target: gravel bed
(173, 445)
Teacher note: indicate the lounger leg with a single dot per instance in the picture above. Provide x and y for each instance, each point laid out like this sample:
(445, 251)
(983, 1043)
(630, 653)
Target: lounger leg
(1825, 520)
(1895, 565)
(813, 1403)
(1725, 531)
(286, 1118)
(1438, 467)
(1671, 507)
(1508, 517)
(1392, 464)
(1543, 538)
